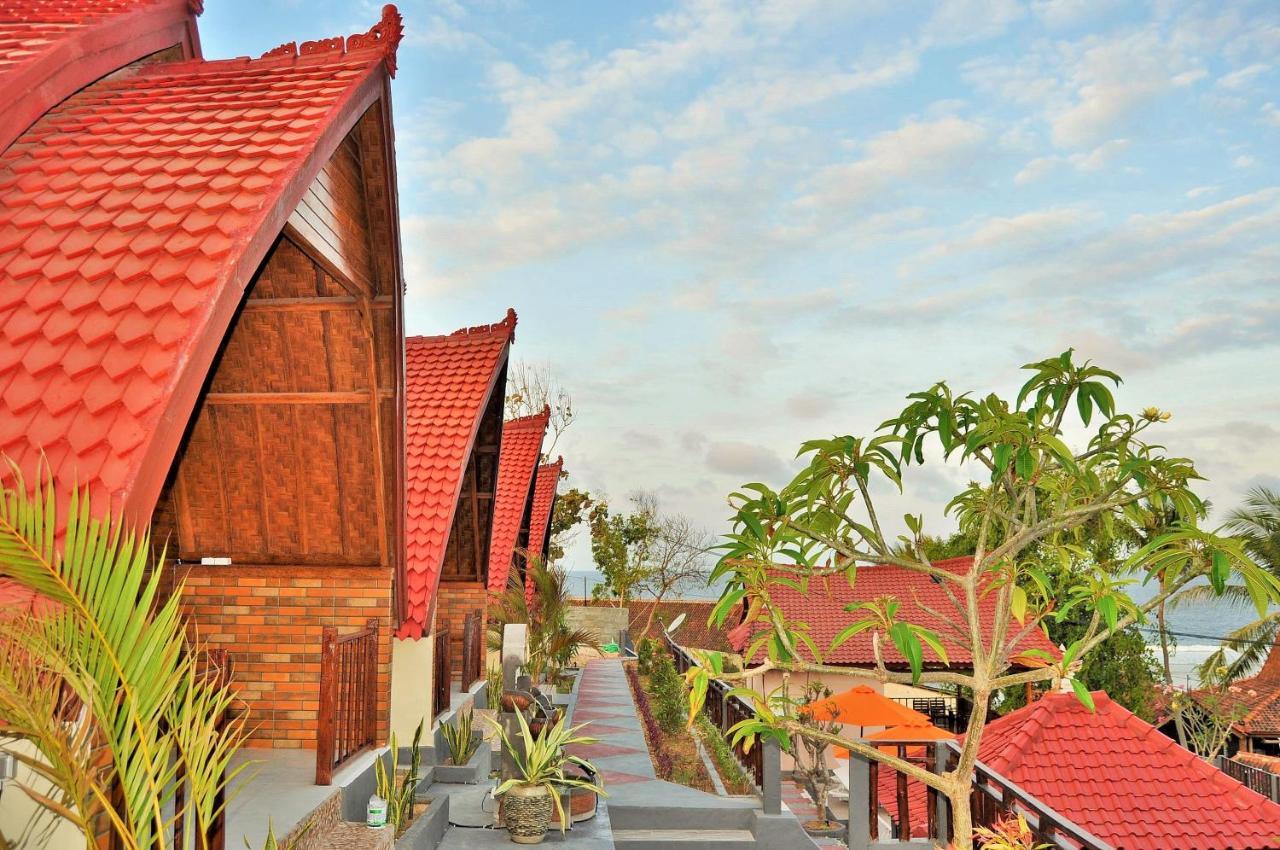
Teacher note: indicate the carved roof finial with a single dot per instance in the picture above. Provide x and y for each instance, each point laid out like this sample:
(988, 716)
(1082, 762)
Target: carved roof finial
(385, 36)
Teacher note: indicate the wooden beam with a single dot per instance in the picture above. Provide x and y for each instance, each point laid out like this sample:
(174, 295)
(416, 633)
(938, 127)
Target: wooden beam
(352, 397)
(375, 415)
(313, 304)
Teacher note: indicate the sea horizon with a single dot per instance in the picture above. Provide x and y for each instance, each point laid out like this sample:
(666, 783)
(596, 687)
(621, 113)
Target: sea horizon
(1194, 626)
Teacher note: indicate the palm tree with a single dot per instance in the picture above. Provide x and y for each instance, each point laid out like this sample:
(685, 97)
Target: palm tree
(551, 643)
(1257, 522)
(102, 698)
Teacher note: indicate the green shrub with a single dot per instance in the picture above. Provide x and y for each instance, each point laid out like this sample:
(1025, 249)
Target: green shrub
(670, 704)
(645, 653)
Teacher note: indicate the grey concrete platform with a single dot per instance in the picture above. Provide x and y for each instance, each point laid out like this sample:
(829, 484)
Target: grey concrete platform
(279, 787)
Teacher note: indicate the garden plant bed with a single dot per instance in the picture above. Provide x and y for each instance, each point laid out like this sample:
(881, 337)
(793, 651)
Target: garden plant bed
(674, 755)
(731, 773)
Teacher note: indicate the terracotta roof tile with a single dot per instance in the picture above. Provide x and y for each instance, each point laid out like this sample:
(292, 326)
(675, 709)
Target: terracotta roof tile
(1120, 778)
(517, 464)
(823, 610)
(448, 383)
(51, 48)
(148, 310)
(544, 498)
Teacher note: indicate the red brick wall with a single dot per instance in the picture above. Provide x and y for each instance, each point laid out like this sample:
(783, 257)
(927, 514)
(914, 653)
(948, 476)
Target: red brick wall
(454, 601)
(270, 619)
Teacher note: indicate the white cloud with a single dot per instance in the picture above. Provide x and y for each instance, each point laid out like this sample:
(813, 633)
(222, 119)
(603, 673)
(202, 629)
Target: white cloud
(1060, 14)
(964, 21)
(915, 149)
(1244, 161)
(746, 460)
(1271, 114)
(1243, 77)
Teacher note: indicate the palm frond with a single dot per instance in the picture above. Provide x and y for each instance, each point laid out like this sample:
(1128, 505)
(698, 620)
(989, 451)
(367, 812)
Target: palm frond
(108, 636)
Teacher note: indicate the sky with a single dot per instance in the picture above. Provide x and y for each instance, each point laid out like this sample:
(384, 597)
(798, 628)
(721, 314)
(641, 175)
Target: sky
(729, 227)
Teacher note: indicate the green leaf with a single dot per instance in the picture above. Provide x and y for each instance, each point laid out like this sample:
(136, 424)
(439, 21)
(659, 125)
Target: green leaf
(1082, 694)
(1219, 572)
(1018, 604)
(1084, 404)
(909, 645)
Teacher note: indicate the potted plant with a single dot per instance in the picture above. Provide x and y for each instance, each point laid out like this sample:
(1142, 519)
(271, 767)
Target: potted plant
(531, 796)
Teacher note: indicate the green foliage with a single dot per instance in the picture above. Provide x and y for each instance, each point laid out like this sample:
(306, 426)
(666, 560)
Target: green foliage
(620, 546)
(670, 702)
(110, 641)
(541, 760)
(552, 643)
(493, 687)
(648, 650)
(460, 737)
(1039, 503)
(730, 771)
(570, 509)
(399, 793)
(273, 843)
(1257, 522)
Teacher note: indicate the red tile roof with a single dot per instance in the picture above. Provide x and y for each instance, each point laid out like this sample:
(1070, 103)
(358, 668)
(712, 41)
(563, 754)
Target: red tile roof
(521, 449)
(1258, 698)
(544, 498)
(449, 381)
(133, 214)
(1120, 778)
(823, 610)
(50, 49)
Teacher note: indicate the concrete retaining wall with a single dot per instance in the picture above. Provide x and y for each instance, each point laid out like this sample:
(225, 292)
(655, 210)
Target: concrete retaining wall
(604, 621)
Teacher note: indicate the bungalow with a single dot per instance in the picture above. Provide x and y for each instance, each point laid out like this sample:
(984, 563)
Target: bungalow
(823, 608)
(454, 389)
(1117, 777)
(546, 483)
(513, 507)
(200, 322)
(1255, 701)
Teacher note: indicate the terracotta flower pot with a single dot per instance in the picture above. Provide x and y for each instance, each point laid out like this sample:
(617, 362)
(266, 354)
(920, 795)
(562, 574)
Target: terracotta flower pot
(526, 812)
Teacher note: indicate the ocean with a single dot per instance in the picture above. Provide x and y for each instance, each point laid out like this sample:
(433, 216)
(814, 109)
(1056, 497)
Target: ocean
(1196, 628)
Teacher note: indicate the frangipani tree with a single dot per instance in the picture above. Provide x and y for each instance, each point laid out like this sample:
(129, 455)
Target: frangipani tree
(1037, 500)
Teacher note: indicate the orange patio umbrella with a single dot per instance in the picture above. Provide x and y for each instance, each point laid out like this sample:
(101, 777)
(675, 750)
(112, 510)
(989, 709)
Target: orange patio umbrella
(862, 706)
(912, 732)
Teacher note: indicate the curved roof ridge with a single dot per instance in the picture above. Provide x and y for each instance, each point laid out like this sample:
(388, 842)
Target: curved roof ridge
(124, 257)
(531, 420)
(449, 382)
(506, 326)
(51, 50)
(384, 36)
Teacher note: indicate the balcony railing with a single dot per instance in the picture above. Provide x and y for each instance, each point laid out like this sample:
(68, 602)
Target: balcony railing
(1264, 782)
(443, 673)
(945, 712)
(346, 722)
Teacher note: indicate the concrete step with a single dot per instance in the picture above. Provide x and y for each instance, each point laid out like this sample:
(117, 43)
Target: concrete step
(722, 814)
(683, 839)
(357, 836)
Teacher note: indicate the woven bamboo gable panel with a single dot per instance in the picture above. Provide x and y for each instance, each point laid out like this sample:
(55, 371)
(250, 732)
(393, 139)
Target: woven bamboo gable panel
(290, 459)
(466, 557)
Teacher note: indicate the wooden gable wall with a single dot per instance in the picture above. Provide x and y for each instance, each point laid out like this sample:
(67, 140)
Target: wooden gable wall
(466, 556)
(291, 455)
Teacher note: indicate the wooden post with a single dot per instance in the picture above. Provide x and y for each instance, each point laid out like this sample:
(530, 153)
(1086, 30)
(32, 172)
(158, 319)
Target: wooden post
(371, 694)
(904, 804)
(942, 814)
(328, 706)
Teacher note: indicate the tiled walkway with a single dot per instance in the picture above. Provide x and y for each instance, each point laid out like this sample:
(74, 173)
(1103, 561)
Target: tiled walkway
(604, 702)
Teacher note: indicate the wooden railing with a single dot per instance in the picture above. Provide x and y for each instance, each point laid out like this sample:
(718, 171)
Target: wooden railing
(443, 673)
(991, 799)
(725, 711)
(472, 648)
(346, 722)
(945, 712)
(1264, 782)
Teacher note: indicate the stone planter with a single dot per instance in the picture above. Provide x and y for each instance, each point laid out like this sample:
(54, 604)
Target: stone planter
(428, 828)
(475, 770)
(526, 812)
(582, 806)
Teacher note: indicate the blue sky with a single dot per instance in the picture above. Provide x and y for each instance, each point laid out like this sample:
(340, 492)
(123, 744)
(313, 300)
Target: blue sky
(731, 226)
